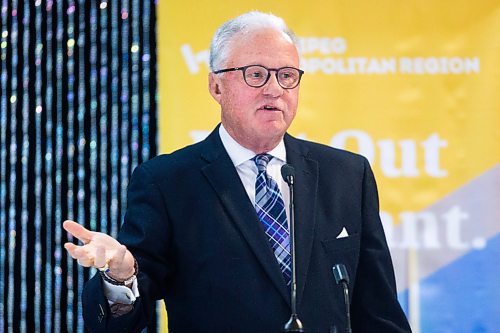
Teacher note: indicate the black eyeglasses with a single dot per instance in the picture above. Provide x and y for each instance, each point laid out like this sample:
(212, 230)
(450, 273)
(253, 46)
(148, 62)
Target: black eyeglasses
(256, 75)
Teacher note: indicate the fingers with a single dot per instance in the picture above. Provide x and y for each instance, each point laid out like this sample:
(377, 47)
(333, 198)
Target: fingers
(99, 250)
(100, 257)
(78, 231)
(81, 254)
(95, 255)
(70, 247)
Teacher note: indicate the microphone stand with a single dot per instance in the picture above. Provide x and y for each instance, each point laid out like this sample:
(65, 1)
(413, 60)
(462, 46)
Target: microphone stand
(342, 277)
(294, 324)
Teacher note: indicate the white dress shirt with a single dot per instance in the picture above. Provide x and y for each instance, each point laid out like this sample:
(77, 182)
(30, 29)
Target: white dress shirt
(247, 170)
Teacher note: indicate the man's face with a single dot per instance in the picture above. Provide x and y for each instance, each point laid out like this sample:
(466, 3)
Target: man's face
(257, 118)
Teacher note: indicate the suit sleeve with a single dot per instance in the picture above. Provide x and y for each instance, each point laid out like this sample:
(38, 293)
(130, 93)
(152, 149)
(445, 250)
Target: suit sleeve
(145, 232)
(375, 307)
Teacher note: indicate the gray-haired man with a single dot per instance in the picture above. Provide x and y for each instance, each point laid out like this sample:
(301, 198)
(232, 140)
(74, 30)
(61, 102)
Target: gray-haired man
(207, 226)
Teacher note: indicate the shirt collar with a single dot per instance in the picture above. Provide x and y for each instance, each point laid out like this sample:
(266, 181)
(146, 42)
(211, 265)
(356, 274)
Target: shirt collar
(240, 154)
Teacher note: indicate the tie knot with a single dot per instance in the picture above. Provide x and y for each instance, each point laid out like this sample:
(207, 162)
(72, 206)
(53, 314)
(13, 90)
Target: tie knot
(261, 161)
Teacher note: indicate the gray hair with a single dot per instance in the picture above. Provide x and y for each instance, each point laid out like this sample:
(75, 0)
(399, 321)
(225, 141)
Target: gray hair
(245, 23)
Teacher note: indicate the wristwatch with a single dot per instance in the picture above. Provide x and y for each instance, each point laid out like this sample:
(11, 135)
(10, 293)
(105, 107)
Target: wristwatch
(128, 282)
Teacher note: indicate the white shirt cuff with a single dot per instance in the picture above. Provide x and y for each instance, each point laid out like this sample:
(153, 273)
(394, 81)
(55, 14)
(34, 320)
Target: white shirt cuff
(120, 294)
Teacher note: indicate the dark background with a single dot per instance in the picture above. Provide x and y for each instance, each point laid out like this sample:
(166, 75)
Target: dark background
(77, 114)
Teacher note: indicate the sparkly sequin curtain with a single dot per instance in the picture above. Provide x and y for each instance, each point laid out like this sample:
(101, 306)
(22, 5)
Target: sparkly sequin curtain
(77, 114)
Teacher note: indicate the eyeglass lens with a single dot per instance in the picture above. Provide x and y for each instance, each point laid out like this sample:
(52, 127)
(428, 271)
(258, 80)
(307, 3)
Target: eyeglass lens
(257, 76)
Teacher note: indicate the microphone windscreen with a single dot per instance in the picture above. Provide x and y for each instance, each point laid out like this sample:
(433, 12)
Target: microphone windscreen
(288, 173)
(340, 273)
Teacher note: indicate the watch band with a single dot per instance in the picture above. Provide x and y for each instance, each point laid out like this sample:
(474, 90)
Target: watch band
(127, 282)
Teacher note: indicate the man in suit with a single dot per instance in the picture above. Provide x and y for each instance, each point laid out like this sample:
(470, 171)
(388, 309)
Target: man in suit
(206, 227)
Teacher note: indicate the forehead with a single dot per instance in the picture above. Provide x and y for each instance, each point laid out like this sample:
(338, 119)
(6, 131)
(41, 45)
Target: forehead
(268, 47)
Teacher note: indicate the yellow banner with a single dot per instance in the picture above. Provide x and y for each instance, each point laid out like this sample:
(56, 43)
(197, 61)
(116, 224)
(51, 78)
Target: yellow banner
(411, 85)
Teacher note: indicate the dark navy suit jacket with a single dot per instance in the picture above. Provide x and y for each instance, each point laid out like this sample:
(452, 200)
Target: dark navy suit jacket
(201, 247)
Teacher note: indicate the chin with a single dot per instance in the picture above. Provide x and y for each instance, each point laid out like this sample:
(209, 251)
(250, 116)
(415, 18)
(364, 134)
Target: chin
(278, 130)
(272, 133)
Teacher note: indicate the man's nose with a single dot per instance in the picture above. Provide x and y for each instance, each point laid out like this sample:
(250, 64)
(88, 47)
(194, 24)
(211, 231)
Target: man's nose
(272, 87)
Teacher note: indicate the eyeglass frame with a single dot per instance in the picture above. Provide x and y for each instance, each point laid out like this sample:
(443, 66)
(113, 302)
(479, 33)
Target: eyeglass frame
(244, 68)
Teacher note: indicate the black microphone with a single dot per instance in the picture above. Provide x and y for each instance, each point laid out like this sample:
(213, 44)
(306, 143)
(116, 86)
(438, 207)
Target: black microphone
(340, 273)
(294, 324)
(288, 174)
(342, 277)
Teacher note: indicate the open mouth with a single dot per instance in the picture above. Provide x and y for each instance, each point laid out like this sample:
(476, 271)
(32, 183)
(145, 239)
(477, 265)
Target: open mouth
(270, 108)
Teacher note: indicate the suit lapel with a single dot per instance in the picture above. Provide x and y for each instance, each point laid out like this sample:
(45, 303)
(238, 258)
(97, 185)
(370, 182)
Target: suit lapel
(306, 189)
(223, 177)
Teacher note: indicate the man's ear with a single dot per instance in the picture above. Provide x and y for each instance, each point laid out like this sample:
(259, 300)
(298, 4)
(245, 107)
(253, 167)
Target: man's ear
(214, 86)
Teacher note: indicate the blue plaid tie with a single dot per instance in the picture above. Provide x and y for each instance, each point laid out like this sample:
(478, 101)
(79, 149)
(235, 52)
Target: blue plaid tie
(271, 211)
